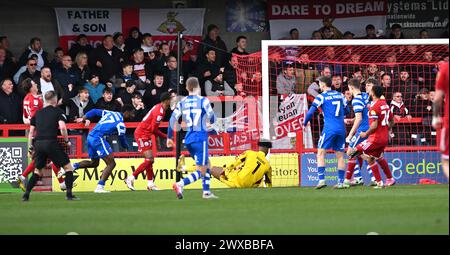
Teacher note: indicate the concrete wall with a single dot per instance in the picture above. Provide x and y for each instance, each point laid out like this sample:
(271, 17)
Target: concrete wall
(20, 21)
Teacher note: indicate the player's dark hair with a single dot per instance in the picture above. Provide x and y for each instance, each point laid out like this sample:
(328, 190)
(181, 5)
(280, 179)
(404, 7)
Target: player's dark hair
(355, 83)
(27, 84)
(50, 95)
(164, 96)
(372, 81)
(377, 91)
(265, 143)
(325, 79)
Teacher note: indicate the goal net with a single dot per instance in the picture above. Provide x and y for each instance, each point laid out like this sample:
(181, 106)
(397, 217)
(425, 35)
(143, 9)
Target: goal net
(283, 77)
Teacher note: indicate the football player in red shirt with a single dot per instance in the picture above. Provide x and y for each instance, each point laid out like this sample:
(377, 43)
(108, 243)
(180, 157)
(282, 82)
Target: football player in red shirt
(31, 104)
(442, 84)
(381, 121)
(143, 136)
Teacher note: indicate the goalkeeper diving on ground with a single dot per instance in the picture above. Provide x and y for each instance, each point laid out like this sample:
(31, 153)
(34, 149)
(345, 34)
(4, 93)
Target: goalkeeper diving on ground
(249, 170)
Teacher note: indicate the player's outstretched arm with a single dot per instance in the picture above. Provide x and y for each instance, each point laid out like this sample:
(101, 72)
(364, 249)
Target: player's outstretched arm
(309, 115)
(173, 122)
(93, 113)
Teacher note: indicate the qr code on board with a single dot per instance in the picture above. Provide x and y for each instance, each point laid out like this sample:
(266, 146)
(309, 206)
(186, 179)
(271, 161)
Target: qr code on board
(11, 164)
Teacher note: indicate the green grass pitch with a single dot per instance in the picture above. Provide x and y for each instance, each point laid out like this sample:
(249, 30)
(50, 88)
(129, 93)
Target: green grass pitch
(418, 209)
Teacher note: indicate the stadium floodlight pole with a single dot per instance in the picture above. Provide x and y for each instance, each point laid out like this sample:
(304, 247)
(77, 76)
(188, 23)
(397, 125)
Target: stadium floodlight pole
(180, 83)
(265, 44)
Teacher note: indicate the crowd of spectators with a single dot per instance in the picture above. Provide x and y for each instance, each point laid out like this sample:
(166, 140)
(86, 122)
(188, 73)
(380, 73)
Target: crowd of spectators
(134, 71)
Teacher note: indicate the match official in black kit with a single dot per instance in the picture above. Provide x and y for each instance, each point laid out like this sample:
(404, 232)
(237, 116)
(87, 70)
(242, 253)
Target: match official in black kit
(44, 131)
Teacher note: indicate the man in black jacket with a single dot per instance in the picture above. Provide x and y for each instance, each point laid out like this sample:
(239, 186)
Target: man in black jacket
(82, 45)
(10, 104)
(35, 48)
(207, 68)
(107, 102)
(79, 105)
(213, 39)
(106, 59)
(7, 66)
(68, 77)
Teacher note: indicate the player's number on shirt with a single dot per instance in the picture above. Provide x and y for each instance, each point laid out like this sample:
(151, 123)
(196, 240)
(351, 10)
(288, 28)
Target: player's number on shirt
(385, 121)
(189, 122)
(258, 165)
(338, 107)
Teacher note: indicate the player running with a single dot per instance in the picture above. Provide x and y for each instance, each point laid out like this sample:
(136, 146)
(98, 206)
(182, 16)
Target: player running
(248, 171)
(111, 123)
(381, 121)
(333, 106)
(442, 84)
(195, 111)
(360, 104)
(31, 104)
(143, 137)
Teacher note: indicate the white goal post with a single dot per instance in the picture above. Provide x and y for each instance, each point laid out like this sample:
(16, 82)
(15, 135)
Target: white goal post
(265, 44)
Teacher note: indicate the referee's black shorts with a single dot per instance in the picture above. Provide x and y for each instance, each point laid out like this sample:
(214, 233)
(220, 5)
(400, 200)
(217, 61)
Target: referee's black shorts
(49, 149)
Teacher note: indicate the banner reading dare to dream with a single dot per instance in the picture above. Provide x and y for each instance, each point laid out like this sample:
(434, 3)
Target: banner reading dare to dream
(163, 24)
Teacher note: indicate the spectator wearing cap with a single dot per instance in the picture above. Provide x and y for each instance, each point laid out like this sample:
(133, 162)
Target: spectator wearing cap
(217, 86)
(153, 93)
(106, 59)
(127, 74)
(348, 35)
(241, 45)
(28, 71)
(124, 96)
(80, 105)
(119, 41)
(400, 110)
(68, 77)
(133, 40)
(286, 81)
(147, 44)
(213, 40)
(4, 44)
(107, 102)
(56, 62)
(7, 66)
(82, 45)
(396, 32)
(206, 68)
(95, 88)
(35, 47)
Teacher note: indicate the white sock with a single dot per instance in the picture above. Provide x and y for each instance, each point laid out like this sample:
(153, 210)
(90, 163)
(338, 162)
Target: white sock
(150, 183)
(131, 177)
(180, 183)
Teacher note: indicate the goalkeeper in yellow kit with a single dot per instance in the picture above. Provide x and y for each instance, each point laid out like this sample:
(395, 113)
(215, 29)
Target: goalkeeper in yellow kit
(249, 170)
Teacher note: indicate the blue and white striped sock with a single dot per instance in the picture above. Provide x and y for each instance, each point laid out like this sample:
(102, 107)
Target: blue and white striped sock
(357, 171)
(193, 177)
(321, 173)
(369, 170)
(206, 181)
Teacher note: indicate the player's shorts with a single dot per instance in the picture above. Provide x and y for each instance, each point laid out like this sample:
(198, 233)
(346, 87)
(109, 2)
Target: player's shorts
(356, 139)
(334, 142)
(371, 148)
(443, 143)
(199, 151)
(49, 149)
(98, 147)
(144, 143)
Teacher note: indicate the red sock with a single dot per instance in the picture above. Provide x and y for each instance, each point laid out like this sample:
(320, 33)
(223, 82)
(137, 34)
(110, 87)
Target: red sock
(375, 172)
(149, 171)
(30, 168)
(385, 166)
(360, 162)
(56, 170)
(350, 169)
(145, 165)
